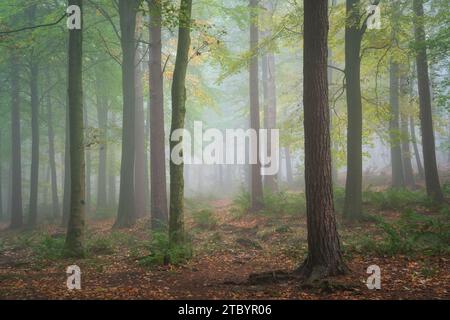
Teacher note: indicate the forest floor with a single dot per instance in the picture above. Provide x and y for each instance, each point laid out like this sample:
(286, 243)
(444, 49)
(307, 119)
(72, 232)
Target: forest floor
(225, 255)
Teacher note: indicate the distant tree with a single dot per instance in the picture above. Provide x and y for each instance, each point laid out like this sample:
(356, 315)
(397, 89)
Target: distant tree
(426, 117)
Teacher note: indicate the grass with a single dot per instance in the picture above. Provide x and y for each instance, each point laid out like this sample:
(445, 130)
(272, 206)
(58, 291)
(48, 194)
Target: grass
(204, 219)
(396, 199)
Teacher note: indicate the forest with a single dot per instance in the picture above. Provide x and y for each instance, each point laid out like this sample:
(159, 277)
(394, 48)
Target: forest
(224, 149)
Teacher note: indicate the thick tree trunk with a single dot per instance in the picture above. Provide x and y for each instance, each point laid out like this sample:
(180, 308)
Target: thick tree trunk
(176, 216)
(16, 158)
(324, 254)
(158, 189)
(75, 231)
(139, 170)
(353, 185)
(426, 118)
(52, 161)
(398, 180)
(256, 180)
(126, 215)
(102, 116)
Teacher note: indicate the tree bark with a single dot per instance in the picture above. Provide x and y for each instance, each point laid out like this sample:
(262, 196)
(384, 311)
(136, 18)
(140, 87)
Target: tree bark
(289, 172)
(52, 161)
(16, 158)
(412, 127)
(256, 180)
(398, 180)
(74, 245)
(88, 163)
(158, 188)
(176, 216)
(102, 116)
(324, 254)
(139, 170)
(353, 185)
(406, 151)
(426, 118)
(66, 191)
(126, 215)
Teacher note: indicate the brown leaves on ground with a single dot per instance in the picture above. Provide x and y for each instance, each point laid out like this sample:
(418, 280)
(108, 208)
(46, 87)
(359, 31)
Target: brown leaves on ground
(224, 259)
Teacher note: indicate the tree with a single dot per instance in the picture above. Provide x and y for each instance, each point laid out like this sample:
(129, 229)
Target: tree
(176, 216)
(353, 37)
(405, 140)
(16, 156)
(394, 128)
(102, 116)
(324, 253)
(126, 215)
(158, 189)
(74, 245)
(412, 127)
(426, 117)
(256, 181)
(34, 94)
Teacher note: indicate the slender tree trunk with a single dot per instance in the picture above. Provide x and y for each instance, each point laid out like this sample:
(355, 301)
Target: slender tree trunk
(126, 215)
(139, 170)
(426, 116)
(102, 116)
(52, 161)
(158, 189)
(406, 151)
(16, 159)
(324, 254)
(66, 191)
(256, 180)
(412, 127)
(1, 181)
(289, 172)
(353, 185)
(88, 162)
(176, 216)
(394, 130)
(112, 201)
(75, 231)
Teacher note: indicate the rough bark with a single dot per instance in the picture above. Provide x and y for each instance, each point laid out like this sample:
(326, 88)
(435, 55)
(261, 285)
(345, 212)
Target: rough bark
(324, 254)
(16, 157)
(426, 118)
(66, 191)
(74, 245)
(256, 189)
(126, 215)
(176, 216)
(88, 163)
(158, 189)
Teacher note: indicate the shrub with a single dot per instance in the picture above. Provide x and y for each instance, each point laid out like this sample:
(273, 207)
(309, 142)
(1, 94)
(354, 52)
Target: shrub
(50, 248)
(163, 252)
(241, 204)
(100, 245)
(205, 219)
(395, 199)
(283, 203)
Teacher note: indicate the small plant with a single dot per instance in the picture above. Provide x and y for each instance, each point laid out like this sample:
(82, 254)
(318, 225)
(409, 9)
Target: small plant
(396, 199)
(205, 219)
(100, 245)
(241, 204)
(50, 248)
(163, 252)
(283, 203)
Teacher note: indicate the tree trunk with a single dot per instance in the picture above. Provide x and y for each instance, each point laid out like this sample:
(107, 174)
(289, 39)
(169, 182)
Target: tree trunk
(52, 161)
(66, 192)
(16, 159)
(406, 151)
(158, 189)
(426, 118)
(394, 130)
(102, 116)
(75, 231)
(412, 127)
(139, 170)
(126, 215)
(289, 172)
(256, 180)
(353, 185)
(176, 216)
(1, 182)
(88, 163)
(324, 254)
